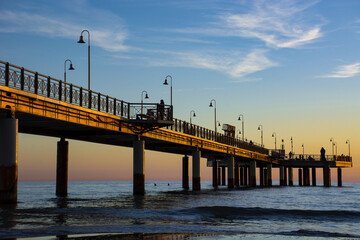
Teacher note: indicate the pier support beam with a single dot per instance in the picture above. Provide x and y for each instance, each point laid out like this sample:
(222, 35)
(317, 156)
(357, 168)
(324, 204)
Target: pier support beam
(236, 172)
(223, 181)
(241, 176)
(306, 178)
(300, 177)
(219, 175)
(62, 163)
(139, 167)
(313, 173)
(281, 177)
(261, 170)
(253, 173)
(215, 167)
(327, 176)
(285, 177)
(196, 179)
(265, 177)
(185, 172)
(269, 174)
(339, 177)
(230, 163)
(291, 178)
(8, 160)
(245, 176)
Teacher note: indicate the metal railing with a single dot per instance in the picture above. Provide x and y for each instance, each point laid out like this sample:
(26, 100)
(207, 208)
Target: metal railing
(198, 131)
(317, 157)
(34, 82)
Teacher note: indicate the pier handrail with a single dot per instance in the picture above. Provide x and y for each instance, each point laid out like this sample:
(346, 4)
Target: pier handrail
(33, 82)
(317, 157)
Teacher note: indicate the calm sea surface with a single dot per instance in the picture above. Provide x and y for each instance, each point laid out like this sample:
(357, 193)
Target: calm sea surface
(110, 207)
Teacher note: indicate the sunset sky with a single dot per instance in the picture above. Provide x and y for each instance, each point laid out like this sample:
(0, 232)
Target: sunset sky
(291, 66)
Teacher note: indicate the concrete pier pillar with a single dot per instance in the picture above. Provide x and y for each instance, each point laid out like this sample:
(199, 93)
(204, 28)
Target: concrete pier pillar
(8, 160)
(253, 173)
(219, 176)
(245, 176)
(281, 177)
(339, 177)
(62, 163)
(196, 179)
(285, 177)
(241, 176)
(291, 179)
(223, 181)
(306, 176)
(327, 176)
(139, 167)
(261, 170)
(230, 163)
(215, 176)
(236, 177)
(269, 174)
(185, 172)
(300, 177)
(313, 173)
(265, 177)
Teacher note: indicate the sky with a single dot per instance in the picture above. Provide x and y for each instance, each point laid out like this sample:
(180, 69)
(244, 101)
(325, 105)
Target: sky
(291, 66)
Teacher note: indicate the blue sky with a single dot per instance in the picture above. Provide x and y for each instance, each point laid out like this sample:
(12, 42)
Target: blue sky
(292, 66)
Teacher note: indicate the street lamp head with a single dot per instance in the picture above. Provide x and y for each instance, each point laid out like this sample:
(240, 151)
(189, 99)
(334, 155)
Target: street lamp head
(219, 124)
(239, 118)
(81, 40)
(259, 128)
(71, 67)
(146, 96)
(211, 104)
(273, 135)
(331, 139)
(165, 82)
(347, 141)
(194, 115)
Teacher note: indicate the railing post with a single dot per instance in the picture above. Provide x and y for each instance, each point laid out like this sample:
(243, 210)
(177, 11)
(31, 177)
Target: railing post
(122, 108)
(7, 74)
(90, 102)
(71, 93)
(36, 83)
(115, 107)
(48, 87)
(80, 97)
(60, 90)
(99, 102)
(107, 104)
(22, 79)
(128, 116)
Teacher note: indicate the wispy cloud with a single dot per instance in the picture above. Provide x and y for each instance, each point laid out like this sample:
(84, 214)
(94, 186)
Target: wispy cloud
(280, 24)
(234, 64)
(22, 22)
(344, 71)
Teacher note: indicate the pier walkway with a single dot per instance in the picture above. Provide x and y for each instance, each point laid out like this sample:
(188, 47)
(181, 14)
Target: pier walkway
(37, 104)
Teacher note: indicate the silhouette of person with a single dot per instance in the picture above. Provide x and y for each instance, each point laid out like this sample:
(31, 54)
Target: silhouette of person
(161, 110)
(322, 152)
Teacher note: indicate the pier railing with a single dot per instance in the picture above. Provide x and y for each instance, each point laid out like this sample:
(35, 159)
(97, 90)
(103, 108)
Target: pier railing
(315, 157)
(34, 82)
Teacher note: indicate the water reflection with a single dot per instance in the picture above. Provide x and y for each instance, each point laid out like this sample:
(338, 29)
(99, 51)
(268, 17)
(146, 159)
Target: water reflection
(8, 215)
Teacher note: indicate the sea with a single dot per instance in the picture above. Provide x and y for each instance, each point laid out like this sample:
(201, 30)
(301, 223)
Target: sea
(108, 210)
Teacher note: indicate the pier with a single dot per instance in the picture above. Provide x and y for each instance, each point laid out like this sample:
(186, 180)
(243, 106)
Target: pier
(37, 104)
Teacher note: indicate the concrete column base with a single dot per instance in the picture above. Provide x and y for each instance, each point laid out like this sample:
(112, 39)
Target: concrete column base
(223, 181)
(339, 177)
(185, 172)
(327, 176)
(261, 171)
(215, 176)
(196, 180)
(139, 167)
(62, 164)
(253, 173)
(269, 174)
(313, 173)
(281, 177)
(291, 181)
(300, 177)
(230, 162)
(8, 160)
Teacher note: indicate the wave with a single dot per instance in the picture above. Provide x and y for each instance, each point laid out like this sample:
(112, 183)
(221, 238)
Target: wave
(244, 213)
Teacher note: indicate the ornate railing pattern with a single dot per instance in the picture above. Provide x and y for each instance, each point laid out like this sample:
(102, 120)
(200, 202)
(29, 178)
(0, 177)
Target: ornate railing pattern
(198, 131)
(317, 157)
(33, 82)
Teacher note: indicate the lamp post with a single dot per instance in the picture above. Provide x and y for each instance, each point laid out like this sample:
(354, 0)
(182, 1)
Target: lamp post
(262, 139)
(292, 145)
(211, 105)
(142, 99)
(303, 147)
(348, 142)
(219, 124)
(192, 115)
(166, 83)
(274, 136)
(70, 68)
(81, 40)
(241, 117)
(332, 145)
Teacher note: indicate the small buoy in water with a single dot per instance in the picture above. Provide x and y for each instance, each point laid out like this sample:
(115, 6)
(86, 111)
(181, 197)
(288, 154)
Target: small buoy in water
(168, 184)
(154, 184)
